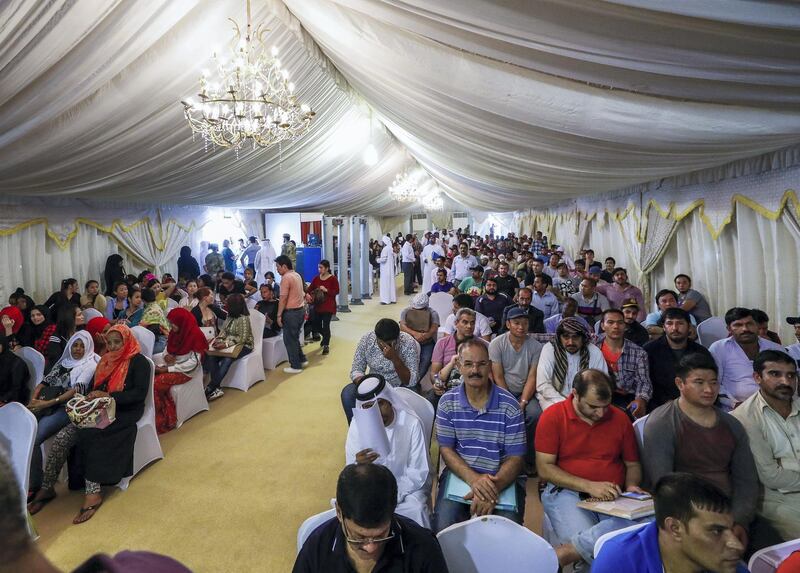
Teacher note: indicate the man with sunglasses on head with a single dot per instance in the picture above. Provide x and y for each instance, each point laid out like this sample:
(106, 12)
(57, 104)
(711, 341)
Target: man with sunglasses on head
(367, 534)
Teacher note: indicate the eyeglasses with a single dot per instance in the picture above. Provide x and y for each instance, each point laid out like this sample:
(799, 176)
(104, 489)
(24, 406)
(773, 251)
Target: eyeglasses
(362, 542)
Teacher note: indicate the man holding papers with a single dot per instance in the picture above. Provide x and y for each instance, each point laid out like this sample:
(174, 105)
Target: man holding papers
(481, 436)
(398, 430)
(585, 448)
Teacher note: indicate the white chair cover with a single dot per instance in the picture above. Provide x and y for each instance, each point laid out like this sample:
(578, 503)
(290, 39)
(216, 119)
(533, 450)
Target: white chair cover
(638, 428)
(767, 560)
(147, 448)
(90, 313)
(172, 304)
(189, 397)
(248, 370)
(422, 408)
(711, 330)
(35, 362)
(598, 545)
(494, 544)
(310, 524)
(17, 436)
(442, 303)
(273, 352)
(146, 340)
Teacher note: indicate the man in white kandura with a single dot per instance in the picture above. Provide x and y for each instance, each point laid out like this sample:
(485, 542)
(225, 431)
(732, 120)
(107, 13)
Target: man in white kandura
(386, 260)
(408, 454)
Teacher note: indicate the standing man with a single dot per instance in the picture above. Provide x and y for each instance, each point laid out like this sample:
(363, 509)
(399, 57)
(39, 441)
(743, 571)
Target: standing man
(407, 264)
(250, 254)
(690, 300)
(463, 263)
(291, 314)
(388, 290)
(214, 262)
(621, 290)
(481, 437)
(627, 366)
(228, 257)
(771, 418)
(288, 248)
(514, 357)
(665, 353)
(734, 357)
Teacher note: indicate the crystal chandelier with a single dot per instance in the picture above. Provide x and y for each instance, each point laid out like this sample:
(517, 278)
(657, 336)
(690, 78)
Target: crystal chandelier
(417, 186)
(403, 188)
(248, 97)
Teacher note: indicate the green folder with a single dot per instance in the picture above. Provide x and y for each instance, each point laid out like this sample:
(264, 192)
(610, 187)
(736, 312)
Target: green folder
(456, 488)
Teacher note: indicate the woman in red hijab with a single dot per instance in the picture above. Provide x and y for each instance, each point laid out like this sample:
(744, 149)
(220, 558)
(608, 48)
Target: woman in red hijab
(123, 374)
(11, 321)
(98, 327)
(186, 345)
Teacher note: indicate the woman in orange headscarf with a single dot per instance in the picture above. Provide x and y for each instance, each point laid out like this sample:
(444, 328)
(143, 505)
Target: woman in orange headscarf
(123, 374)
(186, 346)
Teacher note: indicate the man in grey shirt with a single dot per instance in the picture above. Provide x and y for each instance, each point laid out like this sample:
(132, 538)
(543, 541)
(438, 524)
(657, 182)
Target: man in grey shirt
(690, 300)
(514, 357)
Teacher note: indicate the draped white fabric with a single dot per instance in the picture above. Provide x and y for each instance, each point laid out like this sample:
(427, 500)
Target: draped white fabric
(507, 105)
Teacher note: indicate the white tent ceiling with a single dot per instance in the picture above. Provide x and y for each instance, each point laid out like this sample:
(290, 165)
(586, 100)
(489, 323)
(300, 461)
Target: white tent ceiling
(507, 105)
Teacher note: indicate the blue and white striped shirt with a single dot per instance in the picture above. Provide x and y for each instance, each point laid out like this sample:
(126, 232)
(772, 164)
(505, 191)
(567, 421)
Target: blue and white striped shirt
(483, 438)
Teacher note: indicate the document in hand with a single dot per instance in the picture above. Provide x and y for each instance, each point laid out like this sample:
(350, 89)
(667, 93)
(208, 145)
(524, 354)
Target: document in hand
(456, 489)
(371, 431)
(620, 507)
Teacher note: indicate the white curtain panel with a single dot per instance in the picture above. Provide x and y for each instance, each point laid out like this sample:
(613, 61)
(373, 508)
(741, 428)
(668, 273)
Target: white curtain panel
(753, 263)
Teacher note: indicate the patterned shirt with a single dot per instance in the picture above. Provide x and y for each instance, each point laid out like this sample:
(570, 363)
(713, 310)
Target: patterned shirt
(483, 438)
(237, 331)
(369, 357)
(538, 246)
(633, 370)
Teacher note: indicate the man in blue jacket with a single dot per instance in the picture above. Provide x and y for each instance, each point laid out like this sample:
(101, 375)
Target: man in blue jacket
(692, 533)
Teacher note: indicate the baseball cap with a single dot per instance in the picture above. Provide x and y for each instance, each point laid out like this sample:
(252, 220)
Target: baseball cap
(476, 268)
(516, 312)
(630, 303)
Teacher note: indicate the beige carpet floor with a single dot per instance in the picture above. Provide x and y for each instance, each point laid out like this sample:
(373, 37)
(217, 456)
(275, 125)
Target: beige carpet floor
(237, 481)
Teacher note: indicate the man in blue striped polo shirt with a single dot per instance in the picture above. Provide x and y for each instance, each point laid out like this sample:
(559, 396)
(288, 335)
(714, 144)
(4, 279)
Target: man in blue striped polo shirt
(481, 434)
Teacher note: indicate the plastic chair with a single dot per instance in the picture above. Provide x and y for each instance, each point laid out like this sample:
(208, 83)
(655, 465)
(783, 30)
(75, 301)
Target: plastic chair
(711, 330)
(249, 369)
(146, 340)
(189, 397)
(310, 524)
(422, 408)
(17, 437)
(768, 559)
(494, 544)
(638, 428)
(147, 448)
(598, 545)
(273, 352)
(35, 362)
(442, 303)
(90, 313)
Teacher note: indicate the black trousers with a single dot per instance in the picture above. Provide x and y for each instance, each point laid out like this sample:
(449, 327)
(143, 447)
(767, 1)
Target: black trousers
(408, 278)
(322, 326)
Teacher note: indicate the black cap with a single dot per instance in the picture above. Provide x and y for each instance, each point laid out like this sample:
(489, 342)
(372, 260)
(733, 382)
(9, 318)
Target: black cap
(793, 320)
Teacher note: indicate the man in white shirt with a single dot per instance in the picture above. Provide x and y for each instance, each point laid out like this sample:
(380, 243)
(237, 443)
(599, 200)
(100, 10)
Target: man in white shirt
(771, 418)
(463, 263)
(426, 260)
(407, 264)
(408, 453)
(483, 328)
(562, 359)
(734, 357)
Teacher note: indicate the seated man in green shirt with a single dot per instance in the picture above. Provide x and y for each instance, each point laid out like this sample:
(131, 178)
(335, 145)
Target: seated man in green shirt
(473, 285)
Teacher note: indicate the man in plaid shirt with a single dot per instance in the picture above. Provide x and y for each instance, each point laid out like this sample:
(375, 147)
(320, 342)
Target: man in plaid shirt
(539, 245)
(627, 364)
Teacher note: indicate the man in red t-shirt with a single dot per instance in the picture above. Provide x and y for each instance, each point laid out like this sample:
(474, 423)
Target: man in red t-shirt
(585, 447)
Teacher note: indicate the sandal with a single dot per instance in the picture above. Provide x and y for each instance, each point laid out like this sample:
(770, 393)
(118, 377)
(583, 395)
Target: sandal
(36, 505)
(84, 510)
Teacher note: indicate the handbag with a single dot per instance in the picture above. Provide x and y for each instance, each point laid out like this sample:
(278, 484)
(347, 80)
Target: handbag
(95, 413)
(229, 352)
(49, 393)
(317, 296)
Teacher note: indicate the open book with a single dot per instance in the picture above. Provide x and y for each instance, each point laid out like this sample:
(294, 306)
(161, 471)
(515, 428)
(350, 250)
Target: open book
(620, 507)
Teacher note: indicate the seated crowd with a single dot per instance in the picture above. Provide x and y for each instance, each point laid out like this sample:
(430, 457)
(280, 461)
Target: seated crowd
(547, 367)
(549, 380)
(91, 346)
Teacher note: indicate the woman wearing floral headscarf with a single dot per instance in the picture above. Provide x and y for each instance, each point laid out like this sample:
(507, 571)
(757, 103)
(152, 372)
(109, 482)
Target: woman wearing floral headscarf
(154, 320)
(72, 373)
(186, 346)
